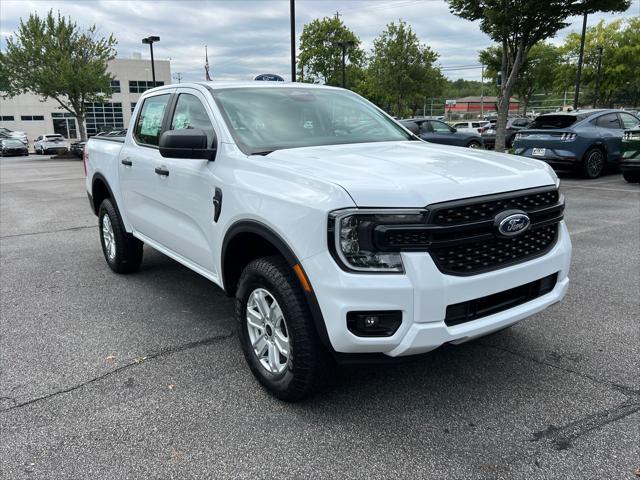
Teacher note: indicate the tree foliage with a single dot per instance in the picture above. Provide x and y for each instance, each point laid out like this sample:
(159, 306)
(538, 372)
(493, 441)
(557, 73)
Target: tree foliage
(320, 55)
(620, 67)
(401, 70)
(517, 25)
(537, 73)
(53, 58)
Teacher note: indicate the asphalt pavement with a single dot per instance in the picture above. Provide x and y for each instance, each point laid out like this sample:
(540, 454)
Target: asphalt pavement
(141, 376)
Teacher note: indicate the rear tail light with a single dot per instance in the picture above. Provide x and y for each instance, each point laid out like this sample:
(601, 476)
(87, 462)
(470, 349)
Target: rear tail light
(568, 137)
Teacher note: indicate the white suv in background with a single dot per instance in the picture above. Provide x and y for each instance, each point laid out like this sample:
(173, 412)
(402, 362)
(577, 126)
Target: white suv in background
(53, 142)
(478, 126)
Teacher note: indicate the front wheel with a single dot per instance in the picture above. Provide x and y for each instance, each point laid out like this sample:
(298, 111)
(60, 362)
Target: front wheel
(276, 330)
(122, 251)
(593, 163)
(631, 177)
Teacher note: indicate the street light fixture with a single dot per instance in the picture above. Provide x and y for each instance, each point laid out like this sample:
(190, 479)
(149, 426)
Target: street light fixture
(150, 41)
(344, 44)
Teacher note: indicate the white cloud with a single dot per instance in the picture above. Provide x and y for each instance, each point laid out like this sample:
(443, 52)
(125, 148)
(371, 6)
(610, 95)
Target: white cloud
(247, 37)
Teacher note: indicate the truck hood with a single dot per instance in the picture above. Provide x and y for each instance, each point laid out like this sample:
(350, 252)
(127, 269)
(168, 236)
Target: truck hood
(412, 173)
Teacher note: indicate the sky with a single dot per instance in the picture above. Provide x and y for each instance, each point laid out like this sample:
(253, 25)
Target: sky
(249, 37)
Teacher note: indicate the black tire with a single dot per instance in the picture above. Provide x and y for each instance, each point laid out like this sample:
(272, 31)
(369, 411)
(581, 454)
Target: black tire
(474, 144)
(307, 360)
(127, 254)
(593, 163)
(631, 177)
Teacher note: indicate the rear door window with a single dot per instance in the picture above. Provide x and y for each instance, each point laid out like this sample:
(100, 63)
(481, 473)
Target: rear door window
(440, 127)
(629, 121)
(149, 122)
(610, 120)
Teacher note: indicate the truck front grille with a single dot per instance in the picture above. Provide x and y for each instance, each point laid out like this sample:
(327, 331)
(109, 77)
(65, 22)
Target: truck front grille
(463, 238)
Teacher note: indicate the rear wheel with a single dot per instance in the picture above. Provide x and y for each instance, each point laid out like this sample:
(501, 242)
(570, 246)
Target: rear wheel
(474, 144)
(276, 330)
(631, 177)
(122, 251)
(593, 163)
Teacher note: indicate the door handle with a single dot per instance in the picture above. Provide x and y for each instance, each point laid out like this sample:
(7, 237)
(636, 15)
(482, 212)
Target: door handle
(126, 161)
(162, 171)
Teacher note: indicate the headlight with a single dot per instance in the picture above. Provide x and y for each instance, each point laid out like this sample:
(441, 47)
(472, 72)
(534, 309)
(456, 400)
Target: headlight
(352, 233)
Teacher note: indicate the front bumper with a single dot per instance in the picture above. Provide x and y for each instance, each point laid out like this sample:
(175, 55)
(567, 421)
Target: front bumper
(423, 294)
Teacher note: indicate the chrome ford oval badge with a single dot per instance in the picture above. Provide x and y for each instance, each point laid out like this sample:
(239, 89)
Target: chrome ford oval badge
(512, 223)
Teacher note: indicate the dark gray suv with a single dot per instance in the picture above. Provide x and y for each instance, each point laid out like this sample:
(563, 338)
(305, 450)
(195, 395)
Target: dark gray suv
(587, 140)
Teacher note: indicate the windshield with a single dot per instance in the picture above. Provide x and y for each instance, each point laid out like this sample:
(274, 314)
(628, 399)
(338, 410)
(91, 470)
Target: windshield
(265, 119)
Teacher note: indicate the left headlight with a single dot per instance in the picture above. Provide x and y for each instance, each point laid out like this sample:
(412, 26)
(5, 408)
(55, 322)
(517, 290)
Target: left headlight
(352, 238)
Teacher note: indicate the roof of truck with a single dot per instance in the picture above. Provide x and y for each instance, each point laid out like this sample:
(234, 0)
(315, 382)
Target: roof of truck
(247, 84)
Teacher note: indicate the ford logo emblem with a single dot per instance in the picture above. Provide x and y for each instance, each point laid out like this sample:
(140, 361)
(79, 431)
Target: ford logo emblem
(512, 223)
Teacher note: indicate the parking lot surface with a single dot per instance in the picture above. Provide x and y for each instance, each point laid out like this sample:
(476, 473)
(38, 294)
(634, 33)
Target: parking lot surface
(141, 376)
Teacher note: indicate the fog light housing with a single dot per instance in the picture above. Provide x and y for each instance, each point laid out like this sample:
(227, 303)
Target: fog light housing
(374, 324)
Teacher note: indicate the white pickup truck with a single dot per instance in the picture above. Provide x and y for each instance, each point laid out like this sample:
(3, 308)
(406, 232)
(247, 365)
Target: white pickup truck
(340, 234)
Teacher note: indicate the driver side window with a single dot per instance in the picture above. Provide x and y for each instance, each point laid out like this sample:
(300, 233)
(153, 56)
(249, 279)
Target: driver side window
(190, 113)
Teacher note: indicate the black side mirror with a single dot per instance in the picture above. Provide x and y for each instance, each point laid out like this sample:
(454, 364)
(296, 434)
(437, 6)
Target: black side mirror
(188, 143)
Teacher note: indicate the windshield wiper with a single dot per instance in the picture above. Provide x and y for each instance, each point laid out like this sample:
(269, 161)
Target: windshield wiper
(263, 153)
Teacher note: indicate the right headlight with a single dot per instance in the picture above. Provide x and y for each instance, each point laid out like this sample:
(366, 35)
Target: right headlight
(352, 235)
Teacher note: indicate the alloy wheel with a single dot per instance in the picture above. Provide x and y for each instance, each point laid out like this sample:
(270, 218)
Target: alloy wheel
(595, 162)
(268, 331)
(108, 237)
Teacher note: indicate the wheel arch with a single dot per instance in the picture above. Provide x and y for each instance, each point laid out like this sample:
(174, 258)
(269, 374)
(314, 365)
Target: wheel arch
(247, 240)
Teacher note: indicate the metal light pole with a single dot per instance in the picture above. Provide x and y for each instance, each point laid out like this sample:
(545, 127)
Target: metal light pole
(344, 44)
(150, 41)
(576, 96)
(292, 18)
(482, 93)
(596, 95)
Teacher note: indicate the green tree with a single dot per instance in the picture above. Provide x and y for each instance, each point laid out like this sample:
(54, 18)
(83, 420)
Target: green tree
(52, 57)
(517, 25)
(401, 71)
(617, 46)
(320, 55)
(537, 73)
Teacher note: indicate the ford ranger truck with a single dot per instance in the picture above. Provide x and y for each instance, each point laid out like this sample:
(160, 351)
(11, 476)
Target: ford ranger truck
(340, 234)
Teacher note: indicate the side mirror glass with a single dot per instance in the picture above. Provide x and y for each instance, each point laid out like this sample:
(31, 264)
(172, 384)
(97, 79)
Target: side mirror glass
(190, 143)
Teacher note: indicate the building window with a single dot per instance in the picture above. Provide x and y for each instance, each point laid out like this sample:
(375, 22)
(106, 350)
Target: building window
(133, 106)
(28, 118)
(103, 117)
(7, 118)
(140, 86)
(115, 86)
(65, 125)
(62, 115)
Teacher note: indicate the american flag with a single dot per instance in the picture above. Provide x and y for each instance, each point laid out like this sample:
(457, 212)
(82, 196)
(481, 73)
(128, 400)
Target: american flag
(207, 77)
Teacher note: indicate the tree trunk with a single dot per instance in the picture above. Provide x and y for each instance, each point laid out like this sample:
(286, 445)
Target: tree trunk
(506, 90)
(81, 128)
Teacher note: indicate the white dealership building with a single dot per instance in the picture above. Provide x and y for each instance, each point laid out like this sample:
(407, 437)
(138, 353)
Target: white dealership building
(28, 113)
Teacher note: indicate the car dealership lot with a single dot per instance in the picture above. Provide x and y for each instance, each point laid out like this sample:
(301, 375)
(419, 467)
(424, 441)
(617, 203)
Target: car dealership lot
(142, 376)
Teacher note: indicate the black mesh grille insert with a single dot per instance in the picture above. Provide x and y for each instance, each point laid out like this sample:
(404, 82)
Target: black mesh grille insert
(494, 253)
(475, 211)
(485, 306)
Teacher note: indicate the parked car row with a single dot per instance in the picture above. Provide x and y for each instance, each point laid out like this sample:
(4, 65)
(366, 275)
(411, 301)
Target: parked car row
(435, 131)
(6, 133)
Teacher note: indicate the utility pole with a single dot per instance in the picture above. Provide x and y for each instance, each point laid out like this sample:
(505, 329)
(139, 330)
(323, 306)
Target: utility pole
(576, 96)
(177, 76)
(596, 95)
(292, 17)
